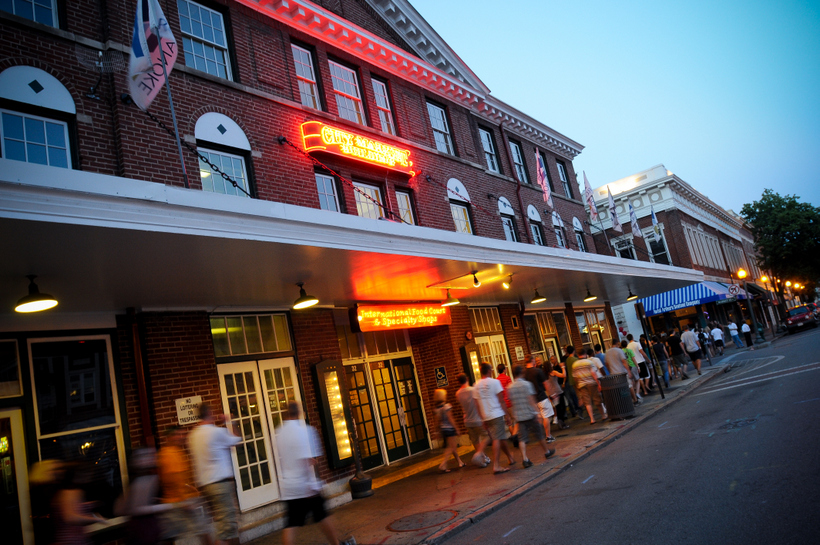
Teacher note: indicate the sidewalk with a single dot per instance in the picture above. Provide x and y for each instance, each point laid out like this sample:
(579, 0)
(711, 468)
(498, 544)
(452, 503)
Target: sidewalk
(413, 503)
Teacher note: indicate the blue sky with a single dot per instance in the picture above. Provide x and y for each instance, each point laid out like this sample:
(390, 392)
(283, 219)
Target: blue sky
(725, 94)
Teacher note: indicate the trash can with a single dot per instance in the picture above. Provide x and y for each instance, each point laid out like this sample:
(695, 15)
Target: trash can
(616, 396)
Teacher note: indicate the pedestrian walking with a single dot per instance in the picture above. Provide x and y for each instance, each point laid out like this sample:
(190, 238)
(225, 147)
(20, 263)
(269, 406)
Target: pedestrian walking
(632, 369)
(703, 338)
(678, 356)
(588, 386)
(527, 414)
(717, 337)
(447, 428)
(747, 334)
(555, 375)
(641, 362)
(298, 485)
(210, 447)
(733, 332)
(473, 422)
(617, 364)
(601, 357)
(505, 380)
(539, 381)
(569, 388)
(139, 501)
(490, 402)
(663, 358)
(692, 346)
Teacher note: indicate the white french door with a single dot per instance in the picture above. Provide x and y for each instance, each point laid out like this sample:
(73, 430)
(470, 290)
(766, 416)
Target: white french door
(493, 350)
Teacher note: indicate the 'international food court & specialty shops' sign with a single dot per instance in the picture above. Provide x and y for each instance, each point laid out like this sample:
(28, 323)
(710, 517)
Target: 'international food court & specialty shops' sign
(317, 136)
(382, 317)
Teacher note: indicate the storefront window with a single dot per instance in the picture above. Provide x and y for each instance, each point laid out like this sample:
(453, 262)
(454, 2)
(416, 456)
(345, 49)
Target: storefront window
(256, 334)
(561, 329)
(485, 320)
(9, 369)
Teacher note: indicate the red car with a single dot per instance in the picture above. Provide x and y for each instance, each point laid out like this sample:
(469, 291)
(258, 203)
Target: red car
(800, 317)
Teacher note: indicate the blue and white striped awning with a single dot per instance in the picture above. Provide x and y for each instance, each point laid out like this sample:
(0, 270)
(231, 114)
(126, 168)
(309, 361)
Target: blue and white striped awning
(696, 294)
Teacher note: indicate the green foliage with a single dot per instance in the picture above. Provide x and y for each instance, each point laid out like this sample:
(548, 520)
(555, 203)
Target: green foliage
(787, 236)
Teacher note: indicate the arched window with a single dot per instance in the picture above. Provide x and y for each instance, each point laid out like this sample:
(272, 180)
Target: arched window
(536, 227)
(37, 115)
(225, 145)
(507, 219)
(560, 232)
(578, 227)
(459, 206)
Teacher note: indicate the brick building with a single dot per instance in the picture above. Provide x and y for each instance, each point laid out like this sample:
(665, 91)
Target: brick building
(425, 188)
(691, 232)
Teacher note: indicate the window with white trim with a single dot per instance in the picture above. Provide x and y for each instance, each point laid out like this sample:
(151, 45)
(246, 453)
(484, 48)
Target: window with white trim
(39, 11)
(560, 232)
(326, 186)
(518, 162)
(441, 130)
(537, 233)
(237, 335)
(404, 202)
(705, 249)
(547, 171)
(489, 149)
(232, 165)
(383, 106)
(34, 139)
(461, 217)
(578, 227)
(655, 243)
(624, 247)
(509, 228)
(346, 89)
(305, 77)
(369, 203)
(562, 174)
(204, 41)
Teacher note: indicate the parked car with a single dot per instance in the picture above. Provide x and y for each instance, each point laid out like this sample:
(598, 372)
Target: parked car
(800, 317)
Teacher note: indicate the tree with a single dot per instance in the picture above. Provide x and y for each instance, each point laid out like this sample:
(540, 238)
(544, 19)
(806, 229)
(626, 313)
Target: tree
(787, 237)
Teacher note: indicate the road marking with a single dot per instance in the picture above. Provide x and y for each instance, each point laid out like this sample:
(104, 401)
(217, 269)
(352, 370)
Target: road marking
(585, 482)
(663, 424)
(806, 400)
(761, 366)
(772, 373)
(511, 531)
(817, 368)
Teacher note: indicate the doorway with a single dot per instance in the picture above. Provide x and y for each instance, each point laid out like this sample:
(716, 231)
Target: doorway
(15, 508)
(493, 350)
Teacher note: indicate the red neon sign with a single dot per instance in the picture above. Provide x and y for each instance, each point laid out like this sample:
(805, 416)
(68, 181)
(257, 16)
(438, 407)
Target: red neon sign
(382, 317)
(317, 136)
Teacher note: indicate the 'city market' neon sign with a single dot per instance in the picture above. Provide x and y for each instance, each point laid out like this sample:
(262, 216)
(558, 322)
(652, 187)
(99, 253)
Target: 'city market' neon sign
(383, 317)
(318, 136)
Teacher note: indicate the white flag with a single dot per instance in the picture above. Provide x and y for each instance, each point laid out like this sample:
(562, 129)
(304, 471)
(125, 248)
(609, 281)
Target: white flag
(145, 77)
(593, 211)
(541, 177)
(655, 220)
(633, 219)
(616, 223)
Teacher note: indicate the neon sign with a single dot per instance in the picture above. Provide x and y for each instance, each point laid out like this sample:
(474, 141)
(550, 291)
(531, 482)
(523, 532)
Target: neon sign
(317, 136)
(383, 317)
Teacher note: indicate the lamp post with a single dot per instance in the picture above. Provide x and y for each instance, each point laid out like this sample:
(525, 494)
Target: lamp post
(769, 284)
(742, 274)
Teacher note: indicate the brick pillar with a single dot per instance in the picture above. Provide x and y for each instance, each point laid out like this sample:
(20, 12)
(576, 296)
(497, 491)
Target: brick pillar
(574, 332)
(613, 327)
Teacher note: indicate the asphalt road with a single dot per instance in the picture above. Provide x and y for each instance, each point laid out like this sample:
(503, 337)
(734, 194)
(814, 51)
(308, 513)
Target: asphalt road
(736, 461)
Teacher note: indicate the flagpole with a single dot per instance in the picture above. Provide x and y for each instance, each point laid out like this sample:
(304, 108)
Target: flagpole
(171, 103)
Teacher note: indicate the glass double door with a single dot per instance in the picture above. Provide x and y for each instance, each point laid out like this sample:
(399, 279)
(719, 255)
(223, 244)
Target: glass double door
(493, 350)
(386, 405)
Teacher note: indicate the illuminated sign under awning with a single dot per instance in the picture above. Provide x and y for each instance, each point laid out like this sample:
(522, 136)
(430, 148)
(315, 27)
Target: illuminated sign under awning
(382, 317)
(318, 136)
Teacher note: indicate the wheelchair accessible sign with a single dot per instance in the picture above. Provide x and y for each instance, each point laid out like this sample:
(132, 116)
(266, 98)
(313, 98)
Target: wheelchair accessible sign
(441, 377)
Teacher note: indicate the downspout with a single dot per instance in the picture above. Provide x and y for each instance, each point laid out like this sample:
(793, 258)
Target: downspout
(142, 389)
(524, 217)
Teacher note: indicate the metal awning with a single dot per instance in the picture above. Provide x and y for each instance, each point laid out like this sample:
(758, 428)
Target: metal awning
(696, 294)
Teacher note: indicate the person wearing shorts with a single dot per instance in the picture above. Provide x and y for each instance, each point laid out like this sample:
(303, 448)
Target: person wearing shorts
(692, 345)
(588, 386)
(489, 396)
(539, 380)
(717, 337)
(472, 420)
(526, 413)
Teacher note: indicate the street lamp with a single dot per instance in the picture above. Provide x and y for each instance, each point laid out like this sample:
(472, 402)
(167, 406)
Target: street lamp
(742, 274)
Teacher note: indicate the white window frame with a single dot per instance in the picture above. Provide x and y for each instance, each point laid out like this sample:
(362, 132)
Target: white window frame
(560, 231)
(625, 242)
(404, 203)
(579, 238)
(509, 228)
(305, 77)
(345, 83)
(229, 189)
(25, 141)
(383, 106)
(213, 44)
(441, 130)
(52, 7)
(537, 233)
(326, 180)
(562, 174)
(489, 149)
(461, 217)
(365, 207)
(649, 235)
(518, 162)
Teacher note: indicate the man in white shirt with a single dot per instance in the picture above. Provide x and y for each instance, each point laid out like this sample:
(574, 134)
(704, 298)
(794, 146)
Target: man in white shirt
(641, 369)
(298, 484)
(747, 334)
(735, 337)
(489, 395)
(717, 336)
(692, 346)
(472, 421)
(210, 448)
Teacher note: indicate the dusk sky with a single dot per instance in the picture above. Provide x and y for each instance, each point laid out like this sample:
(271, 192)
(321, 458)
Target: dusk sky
(725, 94)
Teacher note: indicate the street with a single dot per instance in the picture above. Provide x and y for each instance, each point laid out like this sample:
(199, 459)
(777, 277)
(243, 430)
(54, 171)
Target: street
(733, 462)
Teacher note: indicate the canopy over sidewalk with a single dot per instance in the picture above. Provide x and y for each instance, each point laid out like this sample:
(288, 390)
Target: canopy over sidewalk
(696, 294)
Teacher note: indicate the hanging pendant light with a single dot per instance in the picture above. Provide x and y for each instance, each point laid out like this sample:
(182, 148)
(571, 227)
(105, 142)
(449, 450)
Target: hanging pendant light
(507, 283)
(304, 300)
(476, 282)
(35, 301)
(450, 301)
(589, 297)
(538, 298)
(632, 296)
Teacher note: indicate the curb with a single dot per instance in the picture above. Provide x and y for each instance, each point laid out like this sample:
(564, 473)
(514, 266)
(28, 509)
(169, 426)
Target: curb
(483, 512)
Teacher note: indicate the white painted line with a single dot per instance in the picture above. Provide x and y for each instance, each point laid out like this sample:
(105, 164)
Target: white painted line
(775, 374)
(761, 366)
(663, 424)
(806, 400)
(511, 531)
(585, 482)
(761, 380)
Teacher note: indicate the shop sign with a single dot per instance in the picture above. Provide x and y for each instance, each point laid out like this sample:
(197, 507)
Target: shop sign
(726, 301)
(383, 317)
(441, 377)
(519, 353)
(188, 410)
(317, 136)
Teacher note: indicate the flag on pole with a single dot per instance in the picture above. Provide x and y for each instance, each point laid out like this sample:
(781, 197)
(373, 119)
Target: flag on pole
(655, 220)
(145, 74)
(633, 219)
(593, 211)
(616, 223)
(542, 179)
